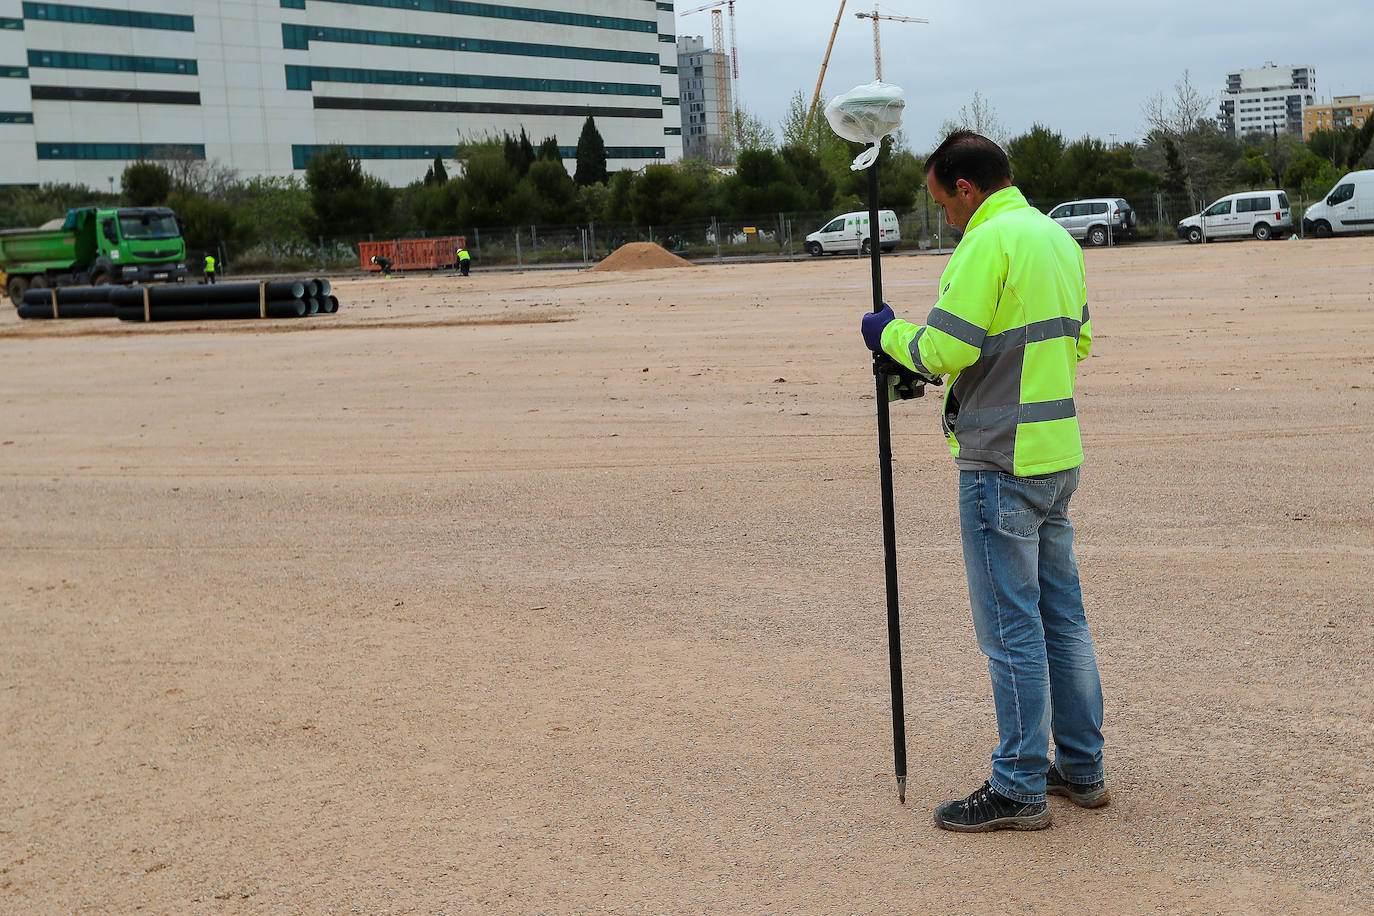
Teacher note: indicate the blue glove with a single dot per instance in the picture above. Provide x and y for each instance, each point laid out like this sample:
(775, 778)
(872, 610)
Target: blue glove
(873, 325)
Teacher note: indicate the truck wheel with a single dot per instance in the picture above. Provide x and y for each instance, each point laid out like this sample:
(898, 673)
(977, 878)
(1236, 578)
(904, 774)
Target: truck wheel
(100, 278)
(1322, 229)
(1194, 235)
(38, 282)
(814, 249)
(16, 288)
(866, 247)
(1097, 236)
(1263, 232)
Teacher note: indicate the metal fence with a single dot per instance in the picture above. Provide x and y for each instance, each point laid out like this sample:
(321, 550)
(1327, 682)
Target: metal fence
(704, 240)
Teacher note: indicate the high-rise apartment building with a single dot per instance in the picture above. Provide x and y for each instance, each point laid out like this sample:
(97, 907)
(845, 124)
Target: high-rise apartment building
(1258, 100)
(260, 86)
(704, 80)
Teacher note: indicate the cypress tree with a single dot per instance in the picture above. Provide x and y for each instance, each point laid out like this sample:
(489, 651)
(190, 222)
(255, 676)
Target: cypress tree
(591, 156)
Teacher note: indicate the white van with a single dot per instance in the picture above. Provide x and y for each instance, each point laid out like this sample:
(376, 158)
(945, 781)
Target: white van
(849, 232)
(1348, 208)
(1263, 214)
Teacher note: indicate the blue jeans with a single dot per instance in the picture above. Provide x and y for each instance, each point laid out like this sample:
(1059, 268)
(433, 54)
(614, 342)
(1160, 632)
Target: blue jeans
(1028, 613)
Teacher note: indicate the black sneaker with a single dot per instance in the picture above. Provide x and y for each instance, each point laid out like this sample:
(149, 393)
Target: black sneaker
(1084, 795)
(987, 810)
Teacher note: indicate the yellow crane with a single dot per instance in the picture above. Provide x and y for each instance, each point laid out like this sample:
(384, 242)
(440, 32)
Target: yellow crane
(825, 62)
(877, 41)
(877, 50)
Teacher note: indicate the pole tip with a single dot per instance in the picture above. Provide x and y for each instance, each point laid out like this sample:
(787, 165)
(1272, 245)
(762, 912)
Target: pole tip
(901, 790)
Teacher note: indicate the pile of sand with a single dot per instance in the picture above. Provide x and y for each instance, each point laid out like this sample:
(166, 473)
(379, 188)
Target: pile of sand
(641, 256)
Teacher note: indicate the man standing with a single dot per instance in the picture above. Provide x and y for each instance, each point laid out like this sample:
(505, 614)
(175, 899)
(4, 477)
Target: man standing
(464, 260)
(1009, 328)
(210, 269)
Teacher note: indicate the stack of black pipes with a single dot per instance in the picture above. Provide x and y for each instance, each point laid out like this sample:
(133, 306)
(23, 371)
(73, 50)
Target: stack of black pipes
(190, 302)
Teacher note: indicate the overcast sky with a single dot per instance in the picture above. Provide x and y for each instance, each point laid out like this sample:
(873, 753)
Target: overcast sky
(1076, 67)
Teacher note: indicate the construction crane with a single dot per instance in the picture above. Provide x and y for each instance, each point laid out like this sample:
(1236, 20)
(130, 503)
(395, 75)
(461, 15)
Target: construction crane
(825, 62)
(716, 31)
(877, 42)
(726, 80)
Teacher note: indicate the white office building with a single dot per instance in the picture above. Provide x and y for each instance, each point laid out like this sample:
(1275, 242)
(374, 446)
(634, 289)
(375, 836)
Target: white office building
(260, 86)
(704, 79)
(1258, 100)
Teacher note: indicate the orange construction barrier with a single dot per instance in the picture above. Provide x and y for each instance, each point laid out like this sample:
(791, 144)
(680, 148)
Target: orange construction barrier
(413, 254)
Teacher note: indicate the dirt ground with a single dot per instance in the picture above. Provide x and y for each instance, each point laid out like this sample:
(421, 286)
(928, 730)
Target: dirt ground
(561, 592)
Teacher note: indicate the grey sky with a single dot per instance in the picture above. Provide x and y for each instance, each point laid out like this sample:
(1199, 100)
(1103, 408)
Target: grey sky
(1076, 67)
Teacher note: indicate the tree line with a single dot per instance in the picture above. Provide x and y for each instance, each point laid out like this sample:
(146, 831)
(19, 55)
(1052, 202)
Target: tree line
(509, 180)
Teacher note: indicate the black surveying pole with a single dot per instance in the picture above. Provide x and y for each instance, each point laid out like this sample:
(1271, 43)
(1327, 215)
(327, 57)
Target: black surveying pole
(880, 373)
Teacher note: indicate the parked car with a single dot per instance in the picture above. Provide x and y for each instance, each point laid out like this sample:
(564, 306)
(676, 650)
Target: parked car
(1090, 220)
(1348, 208)
(1263, 214)
(849, 232)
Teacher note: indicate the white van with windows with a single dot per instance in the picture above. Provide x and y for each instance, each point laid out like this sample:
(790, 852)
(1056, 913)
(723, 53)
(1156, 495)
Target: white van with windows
(1348, 208)
(1263, 214)
(849, 232)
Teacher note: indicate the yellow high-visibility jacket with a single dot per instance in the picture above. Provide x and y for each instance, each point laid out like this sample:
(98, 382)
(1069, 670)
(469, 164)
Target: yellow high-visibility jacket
(1009, 329)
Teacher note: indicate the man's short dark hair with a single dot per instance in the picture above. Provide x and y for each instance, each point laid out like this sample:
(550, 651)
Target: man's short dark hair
(972, 157)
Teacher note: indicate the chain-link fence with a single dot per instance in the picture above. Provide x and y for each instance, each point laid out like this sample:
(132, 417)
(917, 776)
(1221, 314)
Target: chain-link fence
(703, 240)
(583, 245)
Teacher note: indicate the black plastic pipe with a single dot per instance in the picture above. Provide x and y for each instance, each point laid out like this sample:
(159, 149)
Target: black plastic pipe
(203, 294)
(70, 295)
(206, 311)
(67, 310)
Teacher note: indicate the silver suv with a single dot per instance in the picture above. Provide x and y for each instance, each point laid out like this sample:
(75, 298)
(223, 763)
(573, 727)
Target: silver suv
(1090, 220)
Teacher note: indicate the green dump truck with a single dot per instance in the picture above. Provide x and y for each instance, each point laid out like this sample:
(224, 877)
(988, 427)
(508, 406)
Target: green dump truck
(95, 246)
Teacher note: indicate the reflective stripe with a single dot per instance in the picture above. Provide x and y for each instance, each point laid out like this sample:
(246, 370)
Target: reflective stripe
(914, 348)
(1048, 329)
(956, 327)
(1086, 319)
(1012, 414)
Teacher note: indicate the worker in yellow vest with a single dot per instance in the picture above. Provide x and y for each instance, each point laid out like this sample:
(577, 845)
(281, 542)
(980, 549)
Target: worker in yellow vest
(210, 269)
(1009, 329)
(464, 260)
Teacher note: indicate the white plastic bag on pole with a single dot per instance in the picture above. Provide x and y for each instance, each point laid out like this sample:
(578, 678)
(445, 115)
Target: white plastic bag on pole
(866, 114)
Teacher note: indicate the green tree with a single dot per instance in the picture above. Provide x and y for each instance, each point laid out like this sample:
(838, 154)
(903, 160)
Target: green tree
(206, 223)
(1334, 145)
(145, 184)
(658, 197)
(817, 184)
(552, 193)
(1361, 143)
(436, 174)
(749, 132)
(591, 156)
(272, 210)
(428, 207)
(797, 133)
(900, 177)
(1175, 179)
(346, 201)
(978, 116)
(620, 187)
(22, 207)
(549, 151)
(1037, 165)
(489, 181)
(764, 184)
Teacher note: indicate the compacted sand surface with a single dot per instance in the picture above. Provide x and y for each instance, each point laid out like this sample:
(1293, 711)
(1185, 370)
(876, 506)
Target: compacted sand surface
(561, 592)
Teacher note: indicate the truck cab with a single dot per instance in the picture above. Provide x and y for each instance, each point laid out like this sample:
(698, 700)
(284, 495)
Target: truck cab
(95, 246)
